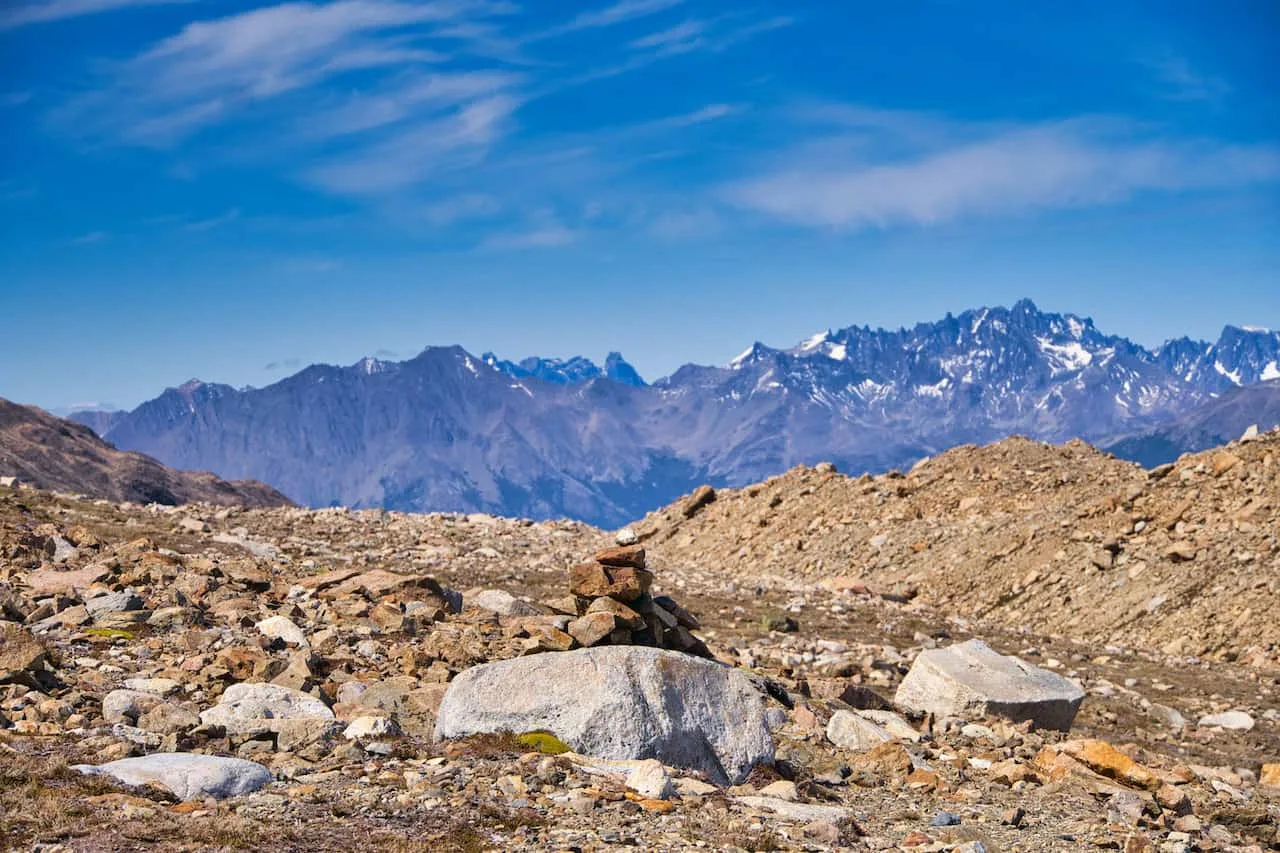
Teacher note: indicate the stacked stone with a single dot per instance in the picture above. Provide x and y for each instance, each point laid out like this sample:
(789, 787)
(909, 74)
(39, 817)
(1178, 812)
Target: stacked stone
(616, 607)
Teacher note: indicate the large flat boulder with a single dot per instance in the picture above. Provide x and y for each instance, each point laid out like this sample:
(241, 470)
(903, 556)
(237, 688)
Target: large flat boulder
(189, 776)
(250, 708)
(971, 680)
(619, 702)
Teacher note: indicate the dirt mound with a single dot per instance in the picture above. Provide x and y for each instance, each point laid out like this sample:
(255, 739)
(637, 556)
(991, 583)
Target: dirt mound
(46, 452)
(1060, 539)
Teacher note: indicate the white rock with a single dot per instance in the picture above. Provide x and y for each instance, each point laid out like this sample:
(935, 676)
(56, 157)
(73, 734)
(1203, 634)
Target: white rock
(246, 708)
(125, 706)
(805, 812)
(893, 723)
(689, 787)
(1236, 721)
(626, 536)
(371, 727)
(781, 790)
(850, 731)
(113, 602)
(188, 775)
(154, 686)
(501, 602)
(650, 780)
(622, 702)
(282, 628)
(972, 680)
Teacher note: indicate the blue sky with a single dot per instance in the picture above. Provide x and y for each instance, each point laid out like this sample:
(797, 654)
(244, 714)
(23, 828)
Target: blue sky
(231, 189)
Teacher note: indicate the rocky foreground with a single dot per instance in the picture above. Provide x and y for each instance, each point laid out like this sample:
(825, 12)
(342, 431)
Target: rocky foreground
(205, 678)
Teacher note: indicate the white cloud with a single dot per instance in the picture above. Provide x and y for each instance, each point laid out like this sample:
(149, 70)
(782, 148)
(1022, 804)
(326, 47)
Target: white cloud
(681, 34)
(549, 236)
(625, 10)
(1180, 81)
(43, 11)
(412, 98)
(213, 222)
(420, 151)
(461, 208)
(1009, 172)
(212, 70)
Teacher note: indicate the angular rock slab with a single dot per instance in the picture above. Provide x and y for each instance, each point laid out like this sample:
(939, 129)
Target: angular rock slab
(971, 680)
(189, 776)
(619, 702)
(248, 708)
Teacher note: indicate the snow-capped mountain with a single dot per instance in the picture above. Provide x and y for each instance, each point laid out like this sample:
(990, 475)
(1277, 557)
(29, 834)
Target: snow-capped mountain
(545, 437)
(566, 371)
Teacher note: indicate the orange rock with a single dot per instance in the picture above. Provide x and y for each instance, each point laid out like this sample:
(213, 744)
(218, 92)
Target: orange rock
(1104, 759)
(1009, 772)
(1174, 799)
(1138, 844)
(1270, 776)
(624, 583)
(623, 555)
(1056, 766)
(889, 760)
(655, 806)
(923, 780)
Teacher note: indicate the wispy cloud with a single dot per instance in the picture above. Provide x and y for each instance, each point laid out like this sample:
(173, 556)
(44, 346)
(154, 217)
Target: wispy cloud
(212, 70)
(687, 32)
(213, 222)
(283, 364)
(544, 232)
(21, 13)
(461, 208)
(420, 151)
(1011, 171)
(89, 239)
(608, 16)
(1180, 81)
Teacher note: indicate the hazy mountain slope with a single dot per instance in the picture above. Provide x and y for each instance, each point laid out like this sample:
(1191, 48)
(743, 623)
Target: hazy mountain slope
(1217, 422)
(51, 453)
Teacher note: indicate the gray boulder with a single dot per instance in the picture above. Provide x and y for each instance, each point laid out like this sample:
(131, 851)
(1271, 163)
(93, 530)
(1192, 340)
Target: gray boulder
(501, 602)
(850, 731)
(619, 702)
(113, 602)
(251, 708)
(125, 706)
(971, 680)
(188, 775)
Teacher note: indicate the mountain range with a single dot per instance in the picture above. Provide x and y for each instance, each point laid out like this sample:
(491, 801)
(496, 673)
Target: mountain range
(546, 437)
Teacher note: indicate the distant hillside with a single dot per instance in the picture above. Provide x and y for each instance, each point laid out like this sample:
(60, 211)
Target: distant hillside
(1217, 422)
(51, 453)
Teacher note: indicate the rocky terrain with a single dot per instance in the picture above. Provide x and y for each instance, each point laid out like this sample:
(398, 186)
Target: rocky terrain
(48, 452)
(1184, 557)
(209, 678)
(546, 438)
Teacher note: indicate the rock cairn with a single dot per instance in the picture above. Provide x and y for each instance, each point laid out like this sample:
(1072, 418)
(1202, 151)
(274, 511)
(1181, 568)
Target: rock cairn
(615, 606)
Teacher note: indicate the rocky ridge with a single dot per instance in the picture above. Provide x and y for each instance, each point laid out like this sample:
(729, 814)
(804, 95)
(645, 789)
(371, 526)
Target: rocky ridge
(1184, 558)
(47, 452)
